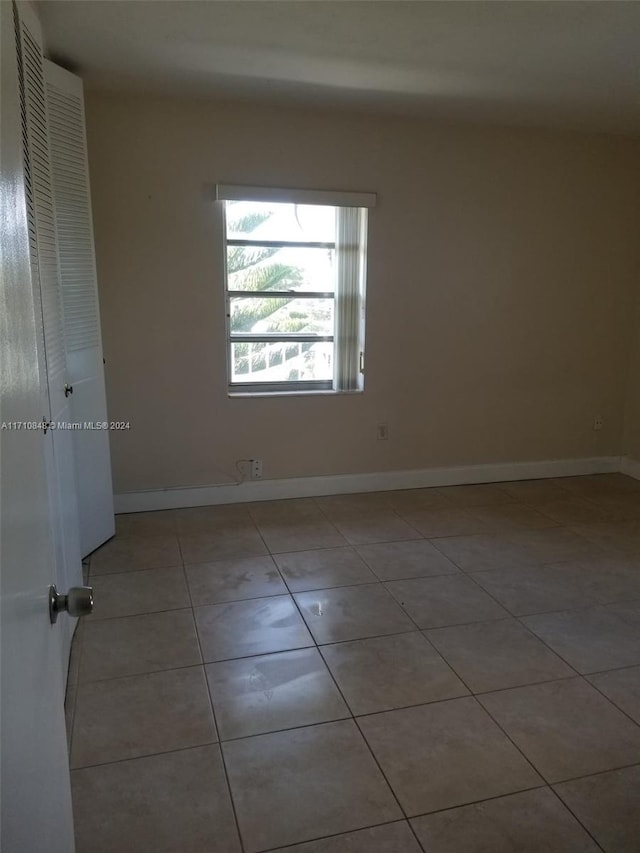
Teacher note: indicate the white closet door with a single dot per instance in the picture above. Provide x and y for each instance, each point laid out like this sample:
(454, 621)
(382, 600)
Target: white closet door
(47, 297)
(35, 806)
(83, 343)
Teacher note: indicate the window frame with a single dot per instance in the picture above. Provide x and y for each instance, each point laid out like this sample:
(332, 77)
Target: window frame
(358, 201)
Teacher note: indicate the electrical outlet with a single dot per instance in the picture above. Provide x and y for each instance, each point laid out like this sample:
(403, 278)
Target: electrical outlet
(250, 469)
(244, 467)
(598, 422)
(383, 432)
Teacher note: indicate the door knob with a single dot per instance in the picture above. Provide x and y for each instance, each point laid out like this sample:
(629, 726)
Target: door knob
(77, 602)
(68, 389)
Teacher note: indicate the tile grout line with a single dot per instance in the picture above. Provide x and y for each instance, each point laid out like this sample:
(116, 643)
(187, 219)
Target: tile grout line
(540, 639)
(541, 787)
(369, 582)
(352, 716)
(576, 609)
(549, 784)
(615, 769)
(610, 700)
(141, 673)
(500, 727)
(482, 708)
(351, 713)
(384, 583)
(431, 539)
(504, 535)
(613, 669)
(144, 755)
(584, 676)
(555, 794)
(334, 835)
(551, 649)
(362, 734)
(211, 706)
(355, 722)
(471, 695)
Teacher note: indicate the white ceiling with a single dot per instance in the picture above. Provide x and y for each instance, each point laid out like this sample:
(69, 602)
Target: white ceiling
(559, 63)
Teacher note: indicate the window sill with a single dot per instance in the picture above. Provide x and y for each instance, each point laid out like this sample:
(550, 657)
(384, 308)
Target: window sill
(321, 393)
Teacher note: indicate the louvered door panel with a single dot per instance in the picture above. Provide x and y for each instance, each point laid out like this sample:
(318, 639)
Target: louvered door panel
(46, 256)
(83, 344)
(73, 218)
(31, 216)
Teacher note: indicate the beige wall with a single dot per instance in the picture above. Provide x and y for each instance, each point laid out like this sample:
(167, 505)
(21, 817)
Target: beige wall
(501, 290)
(631, 445)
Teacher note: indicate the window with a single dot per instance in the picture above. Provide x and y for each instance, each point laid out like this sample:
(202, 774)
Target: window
(295, 284)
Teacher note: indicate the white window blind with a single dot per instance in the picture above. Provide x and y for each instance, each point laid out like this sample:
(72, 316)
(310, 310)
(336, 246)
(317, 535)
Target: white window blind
(350, 274)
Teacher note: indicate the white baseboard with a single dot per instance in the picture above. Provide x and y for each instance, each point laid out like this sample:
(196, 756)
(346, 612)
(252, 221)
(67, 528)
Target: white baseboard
(301, 487)
(630, 466)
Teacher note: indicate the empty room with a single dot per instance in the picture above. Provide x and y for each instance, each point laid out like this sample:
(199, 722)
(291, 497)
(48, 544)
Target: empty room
(320, 427)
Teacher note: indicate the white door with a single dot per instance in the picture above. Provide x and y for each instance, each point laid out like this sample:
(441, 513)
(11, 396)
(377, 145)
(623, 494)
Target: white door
(45, 281)
(81, 314)
(35, 793)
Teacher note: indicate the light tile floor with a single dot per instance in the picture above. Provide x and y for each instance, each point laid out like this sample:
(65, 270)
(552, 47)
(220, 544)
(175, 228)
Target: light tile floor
(441, 670)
